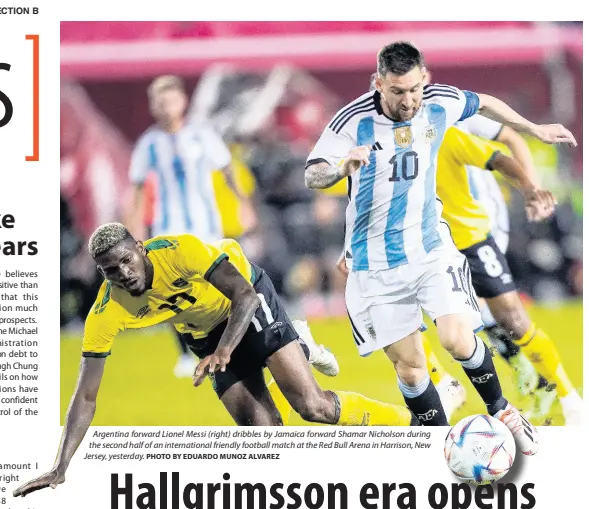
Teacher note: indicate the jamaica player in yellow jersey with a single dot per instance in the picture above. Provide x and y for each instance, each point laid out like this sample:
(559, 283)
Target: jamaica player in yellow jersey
(237, 326)
(491, 277)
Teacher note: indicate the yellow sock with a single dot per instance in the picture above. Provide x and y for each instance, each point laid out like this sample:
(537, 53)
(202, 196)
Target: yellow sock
(434, 367)
(358, 410)
(540, 349)
(283, 406)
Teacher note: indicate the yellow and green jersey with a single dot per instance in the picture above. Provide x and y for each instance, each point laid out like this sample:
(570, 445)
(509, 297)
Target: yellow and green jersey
(180, 293)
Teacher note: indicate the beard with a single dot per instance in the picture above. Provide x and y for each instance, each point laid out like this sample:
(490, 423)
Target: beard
(398, 115)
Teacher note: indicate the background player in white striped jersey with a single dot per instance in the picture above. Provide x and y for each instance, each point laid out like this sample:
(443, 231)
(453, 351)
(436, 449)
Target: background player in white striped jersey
(386, 142)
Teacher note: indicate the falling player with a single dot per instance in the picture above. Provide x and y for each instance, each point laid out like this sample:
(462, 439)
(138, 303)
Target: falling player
(237, 326)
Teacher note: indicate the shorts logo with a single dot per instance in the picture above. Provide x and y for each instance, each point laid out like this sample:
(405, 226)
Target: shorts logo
(142, 312)
(180, 283)
(370, 330)
(403, 136)
(428, 416)
(275, 325)
(482, 379)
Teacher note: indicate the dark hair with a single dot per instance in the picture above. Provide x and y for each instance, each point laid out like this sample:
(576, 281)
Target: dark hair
(399, 58)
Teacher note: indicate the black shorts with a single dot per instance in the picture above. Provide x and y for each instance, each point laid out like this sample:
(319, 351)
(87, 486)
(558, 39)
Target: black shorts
(270, 330)
(490, 273)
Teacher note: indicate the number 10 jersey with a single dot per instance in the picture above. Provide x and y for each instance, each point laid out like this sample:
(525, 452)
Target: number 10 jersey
(393, 216)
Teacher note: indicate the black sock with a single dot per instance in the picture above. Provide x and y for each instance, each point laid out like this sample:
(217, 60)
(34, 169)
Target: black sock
(427, 406)
(481, 372)
(500, 340)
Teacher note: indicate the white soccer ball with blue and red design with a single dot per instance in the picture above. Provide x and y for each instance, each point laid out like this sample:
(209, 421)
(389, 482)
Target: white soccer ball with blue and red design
(479, 449)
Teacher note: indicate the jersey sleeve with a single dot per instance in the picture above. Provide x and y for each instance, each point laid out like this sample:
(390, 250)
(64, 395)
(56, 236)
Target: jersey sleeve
(195, 258)
(141, 161)
(470, 150)
(458, 104)
(103, 323)
(331, 147)
(217, 152)
(481, 126)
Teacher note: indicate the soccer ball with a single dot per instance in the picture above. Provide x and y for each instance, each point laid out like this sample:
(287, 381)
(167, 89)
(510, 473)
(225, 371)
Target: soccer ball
(479, 449)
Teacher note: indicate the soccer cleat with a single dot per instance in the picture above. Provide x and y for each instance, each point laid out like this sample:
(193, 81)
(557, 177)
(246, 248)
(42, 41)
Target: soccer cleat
(452, 394)
(524, 433)
(525, 374)
(185, 366)
(319, 356)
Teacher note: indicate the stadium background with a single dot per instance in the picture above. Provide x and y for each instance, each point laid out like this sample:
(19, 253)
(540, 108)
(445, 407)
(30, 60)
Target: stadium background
(269, 88)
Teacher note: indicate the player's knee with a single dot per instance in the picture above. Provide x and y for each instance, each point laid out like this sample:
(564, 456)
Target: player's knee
(411, 373)
(458, 340)
(515, 321)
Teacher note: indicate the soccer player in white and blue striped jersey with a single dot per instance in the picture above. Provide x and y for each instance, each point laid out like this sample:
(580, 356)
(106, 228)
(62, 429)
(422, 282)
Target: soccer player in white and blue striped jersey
(402, 256)
(183, 157)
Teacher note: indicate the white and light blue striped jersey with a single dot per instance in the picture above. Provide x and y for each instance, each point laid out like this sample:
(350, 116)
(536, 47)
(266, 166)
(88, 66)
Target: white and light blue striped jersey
(183, 163)
(393, 215)
(483, 184)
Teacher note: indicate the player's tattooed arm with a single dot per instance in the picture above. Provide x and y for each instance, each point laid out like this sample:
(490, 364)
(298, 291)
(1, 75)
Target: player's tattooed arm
(244, 302)
(322, 175)
(77, 421)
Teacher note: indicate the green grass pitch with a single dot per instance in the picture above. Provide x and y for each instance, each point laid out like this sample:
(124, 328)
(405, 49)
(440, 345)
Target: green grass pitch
(139, 388)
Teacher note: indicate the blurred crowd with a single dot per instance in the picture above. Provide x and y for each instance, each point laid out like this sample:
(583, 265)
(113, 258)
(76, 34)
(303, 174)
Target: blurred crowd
(270, 122)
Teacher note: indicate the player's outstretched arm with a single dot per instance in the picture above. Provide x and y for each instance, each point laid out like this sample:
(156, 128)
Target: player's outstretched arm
(79, 416)
(244, 302)
(520, 150)
(323, 175)
(496, 109)
(540, 203)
